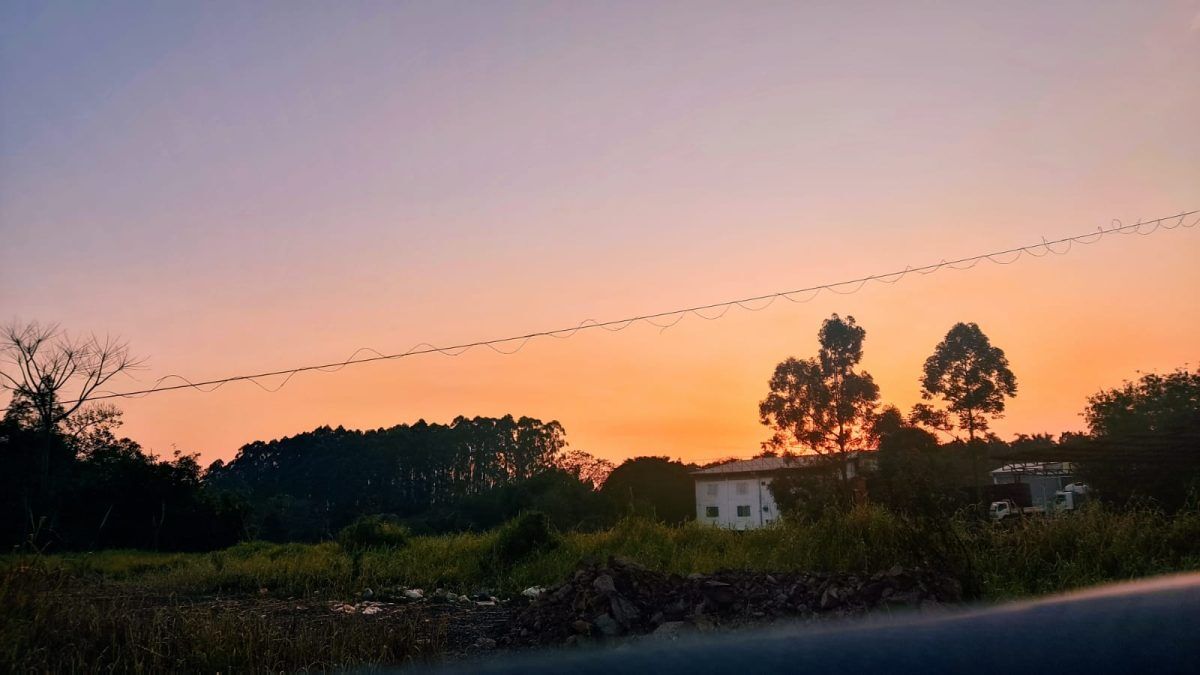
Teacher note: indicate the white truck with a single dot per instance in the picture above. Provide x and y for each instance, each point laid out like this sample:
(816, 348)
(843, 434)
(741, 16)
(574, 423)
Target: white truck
(1007, 508)
(1069, 498)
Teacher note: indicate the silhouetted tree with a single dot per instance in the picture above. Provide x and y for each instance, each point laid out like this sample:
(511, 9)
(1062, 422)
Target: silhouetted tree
(585, 467)
(569, 502)
(653, 486)
(44, 362)
(914, 472)
(824, 405)
(972, 379)
(1145, 440)
(311, 485)
(51, 375)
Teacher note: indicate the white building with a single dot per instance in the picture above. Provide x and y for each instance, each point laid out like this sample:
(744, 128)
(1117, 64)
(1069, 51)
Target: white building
(738, 495)
(1043, 478)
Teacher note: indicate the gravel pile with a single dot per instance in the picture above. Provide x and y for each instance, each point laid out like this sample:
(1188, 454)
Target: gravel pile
(623, 598)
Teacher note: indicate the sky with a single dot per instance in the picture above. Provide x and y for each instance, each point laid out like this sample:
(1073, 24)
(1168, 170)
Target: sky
(244, 187)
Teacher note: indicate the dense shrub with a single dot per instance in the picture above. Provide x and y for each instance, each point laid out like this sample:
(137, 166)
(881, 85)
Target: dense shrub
(653, 487)
(373, 532)
(527, 533)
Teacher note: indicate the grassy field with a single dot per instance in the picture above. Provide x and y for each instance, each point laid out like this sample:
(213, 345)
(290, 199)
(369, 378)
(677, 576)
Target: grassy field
(137, 609)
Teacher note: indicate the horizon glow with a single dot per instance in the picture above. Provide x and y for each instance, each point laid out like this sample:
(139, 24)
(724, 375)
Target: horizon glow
(245, 188)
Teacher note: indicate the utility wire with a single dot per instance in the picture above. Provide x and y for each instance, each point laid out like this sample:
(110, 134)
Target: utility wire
(667, 319)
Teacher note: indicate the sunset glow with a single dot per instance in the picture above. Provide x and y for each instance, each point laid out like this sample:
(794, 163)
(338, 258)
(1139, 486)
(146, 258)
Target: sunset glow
(244, 188)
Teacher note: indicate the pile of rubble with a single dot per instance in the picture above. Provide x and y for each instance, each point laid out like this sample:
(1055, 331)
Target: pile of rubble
(624, 598)
(375, 602)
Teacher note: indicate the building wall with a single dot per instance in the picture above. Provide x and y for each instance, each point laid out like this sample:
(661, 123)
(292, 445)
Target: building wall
(726, 494)
(1041, 488)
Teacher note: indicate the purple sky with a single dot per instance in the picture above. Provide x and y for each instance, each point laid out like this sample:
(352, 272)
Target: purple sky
(246, 186)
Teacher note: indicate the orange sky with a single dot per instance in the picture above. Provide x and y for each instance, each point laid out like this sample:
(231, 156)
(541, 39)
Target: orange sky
(243, 189)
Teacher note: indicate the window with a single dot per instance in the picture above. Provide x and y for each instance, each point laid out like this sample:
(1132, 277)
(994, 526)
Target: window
(743, 488)
(711, 512)
(744, 511)
(712, 489)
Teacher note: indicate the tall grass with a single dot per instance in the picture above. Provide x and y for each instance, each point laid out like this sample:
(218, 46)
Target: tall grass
(53, 622)
(1092, 546)
(137, 610)
(1035, 556)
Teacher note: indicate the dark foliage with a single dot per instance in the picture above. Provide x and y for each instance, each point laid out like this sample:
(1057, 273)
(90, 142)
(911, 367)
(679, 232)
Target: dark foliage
(1145, 440)
(825, 404)
(308, 486)
(376, 531)
(107, 492)
(569, 502)
(970, 377)
(527, 533)
(916, 475)
(653, 486)
(809, 493)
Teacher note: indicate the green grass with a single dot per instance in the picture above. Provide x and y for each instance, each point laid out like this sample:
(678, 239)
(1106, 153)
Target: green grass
(235, 609)
(1037, 556)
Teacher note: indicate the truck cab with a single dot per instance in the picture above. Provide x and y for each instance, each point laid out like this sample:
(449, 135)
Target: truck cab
(999, 510)
(1070, 497)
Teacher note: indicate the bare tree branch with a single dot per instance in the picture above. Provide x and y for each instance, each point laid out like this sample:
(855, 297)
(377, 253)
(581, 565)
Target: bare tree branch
(56, 373)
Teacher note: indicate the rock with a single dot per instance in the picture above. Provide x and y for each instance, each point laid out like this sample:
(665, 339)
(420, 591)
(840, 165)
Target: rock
(604, 584)
(871, 592)
(484, 643)
(671, 630)
(677, 608)
(830, 598)
(414, 594)
(373, 609)
(367, 594)
(719, 593)
(617, 599)
(607, 625)
(904, 598)
(533, 592)
(624, 611)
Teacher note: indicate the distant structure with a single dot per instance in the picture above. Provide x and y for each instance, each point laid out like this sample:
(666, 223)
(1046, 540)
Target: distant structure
(737, 495)
(1043, 478)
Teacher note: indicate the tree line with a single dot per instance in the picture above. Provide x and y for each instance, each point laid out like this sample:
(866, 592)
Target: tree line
(70, 481)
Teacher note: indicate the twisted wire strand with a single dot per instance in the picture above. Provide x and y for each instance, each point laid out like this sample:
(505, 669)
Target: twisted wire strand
(668, 319)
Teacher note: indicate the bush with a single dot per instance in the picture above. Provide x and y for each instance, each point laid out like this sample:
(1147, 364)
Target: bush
(373, 532)
(527, 533)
